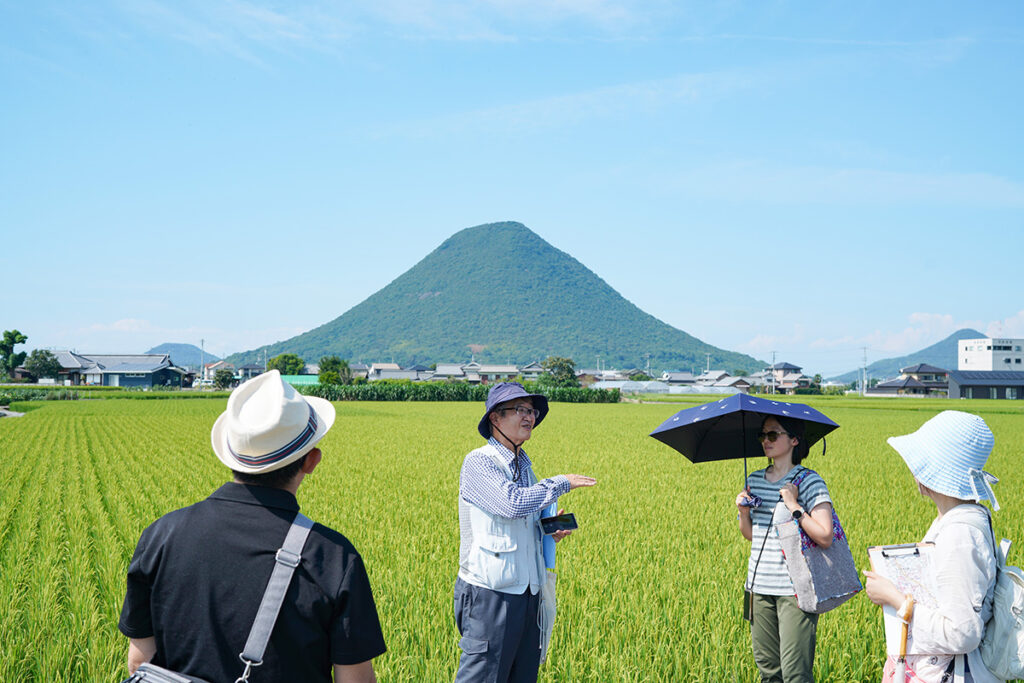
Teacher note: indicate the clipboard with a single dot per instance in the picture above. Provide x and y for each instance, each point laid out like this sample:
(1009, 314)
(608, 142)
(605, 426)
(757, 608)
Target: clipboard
(909, 566)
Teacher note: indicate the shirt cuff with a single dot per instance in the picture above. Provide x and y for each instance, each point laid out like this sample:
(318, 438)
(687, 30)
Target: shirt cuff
(562, 485)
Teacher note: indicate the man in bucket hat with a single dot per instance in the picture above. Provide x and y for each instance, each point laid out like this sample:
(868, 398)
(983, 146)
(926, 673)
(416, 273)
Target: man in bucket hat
(501, 565)
(198, 574)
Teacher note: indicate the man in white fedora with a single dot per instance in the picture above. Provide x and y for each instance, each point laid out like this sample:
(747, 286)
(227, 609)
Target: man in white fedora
(198, 575)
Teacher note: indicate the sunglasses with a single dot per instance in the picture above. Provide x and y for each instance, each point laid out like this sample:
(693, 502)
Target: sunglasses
(770, 436)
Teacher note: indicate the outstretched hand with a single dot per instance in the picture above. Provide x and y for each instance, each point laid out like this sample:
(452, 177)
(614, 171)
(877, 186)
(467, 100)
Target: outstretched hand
(577, 480)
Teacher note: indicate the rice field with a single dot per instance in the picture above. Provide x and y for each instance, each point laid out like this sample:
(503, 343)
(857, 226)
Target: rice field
(649, 587)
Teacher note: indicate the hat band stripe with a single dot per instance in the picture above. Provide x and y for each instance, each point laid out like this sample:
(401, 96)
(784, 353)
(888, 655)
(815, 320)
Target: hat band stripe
(280, 454)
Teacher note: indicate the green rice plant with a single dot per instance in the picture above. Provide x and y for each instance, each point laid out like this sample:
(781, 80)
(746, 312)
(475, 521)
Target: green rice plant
(649, 587)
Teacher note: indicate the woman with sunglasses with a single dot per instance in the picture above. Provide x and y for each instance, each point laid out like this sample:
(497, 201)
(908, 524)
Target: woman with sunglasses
(782, 635)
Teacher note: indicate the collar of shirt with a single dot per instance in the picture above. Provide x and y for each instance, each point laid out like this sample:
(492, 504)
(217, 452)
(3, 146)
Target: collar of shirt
(264, 496)
(508, 455)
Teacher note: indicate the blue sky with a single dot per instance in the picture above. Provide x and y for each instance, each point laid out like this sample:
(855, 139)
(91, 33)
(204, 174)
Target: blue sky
(803, 178)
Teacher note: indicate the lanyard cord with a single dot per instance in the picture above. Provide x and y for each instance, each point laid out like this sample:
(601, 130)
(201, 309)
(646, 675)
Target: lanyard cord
(516, 467)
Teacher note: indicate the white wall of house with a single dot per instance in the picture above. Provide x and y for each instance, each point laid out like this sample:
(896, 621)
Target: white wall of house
(991, 354)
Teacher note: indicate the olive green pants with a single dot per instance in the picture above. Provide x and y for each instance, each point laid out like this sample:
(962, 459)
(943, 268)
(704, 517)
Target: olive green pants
(783, 636)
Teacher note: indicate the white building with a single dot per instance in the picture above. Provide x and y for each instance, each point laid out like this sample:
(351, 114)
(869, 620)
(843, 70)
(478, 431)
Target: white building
(991, 354)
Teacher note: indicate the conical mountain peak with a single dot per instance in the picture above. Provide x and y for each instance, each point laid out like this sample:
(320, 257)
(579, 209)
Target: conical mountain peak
(502, 293)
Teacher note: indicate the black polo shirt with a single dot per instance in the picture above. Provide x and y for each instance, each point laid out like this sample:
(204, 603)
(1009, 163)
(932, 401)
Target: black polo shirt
(199, 573)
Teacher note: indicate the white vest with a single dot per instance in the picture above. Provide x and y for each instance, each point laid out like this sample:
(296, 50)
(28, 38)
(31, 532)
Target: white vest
(500, 553)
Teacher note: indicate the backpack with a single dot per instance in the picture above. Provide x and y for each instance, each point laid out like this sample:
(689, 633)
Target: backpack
(1002, 646)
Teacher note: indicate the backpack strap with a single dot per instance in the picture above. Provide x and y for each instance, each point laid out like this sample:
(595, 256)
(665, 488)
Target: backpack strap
(286, 559)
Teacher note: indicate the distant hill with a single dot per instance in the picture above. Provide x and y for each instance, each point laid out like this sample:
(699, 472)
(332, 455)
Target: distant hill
(184, 355)
(502, 293)
(942, 354)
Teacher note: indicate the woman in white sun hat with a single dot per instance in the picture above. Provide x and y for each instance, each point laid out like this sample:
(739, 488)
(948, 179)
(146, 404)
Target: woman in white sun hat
(946, 456)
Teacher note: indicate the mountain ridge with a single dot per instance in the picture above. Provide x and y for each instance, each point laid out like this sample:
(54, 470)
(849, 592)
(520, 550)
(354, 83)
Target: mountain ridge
(941, 354)
(499, 293)
(184, 355)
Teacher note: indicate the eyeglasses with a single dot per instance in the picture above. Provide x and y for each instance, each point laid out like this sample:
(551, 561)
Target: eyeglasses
(771, 436)
(523, 411)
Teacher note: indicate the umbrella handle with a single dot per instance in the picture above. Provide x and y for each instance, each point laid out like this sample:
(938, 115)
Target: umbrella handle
(905, 612)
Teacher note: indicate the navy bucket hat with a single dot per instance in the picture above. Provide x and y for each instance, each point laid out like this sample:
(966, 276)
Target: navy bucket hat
(503, 393)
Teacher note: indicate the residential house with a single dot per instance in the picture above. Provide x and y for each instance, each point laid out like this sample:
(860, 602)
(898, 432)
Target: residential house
(740, 384)
(709, 377)
(920, 379)
(210, 369)
(986, 384)
(376, 369)
(677, 378)
(359, 370)
(248, 371)
(497, 373)
(451, 372)
(531, 372)
(144, 370)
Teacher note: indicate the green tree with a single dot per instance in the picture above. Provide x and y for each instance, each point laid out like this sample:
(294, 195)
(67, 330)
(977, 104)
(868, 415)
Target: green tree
(558, 372)
(339, 369)
(8, 358)
(329, 377)
(223, 379)
(42, 363)
(287, 364)
(641, 377)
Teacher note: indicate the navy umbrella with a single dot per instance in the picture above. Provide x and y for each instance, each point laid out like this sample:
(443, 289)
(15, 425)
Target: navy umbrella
(728, 428)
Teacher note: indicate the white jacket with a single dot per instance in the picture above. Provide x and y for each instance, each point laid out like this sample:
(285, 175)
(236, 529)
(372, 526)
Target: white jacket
(500, 553)
(965, 573)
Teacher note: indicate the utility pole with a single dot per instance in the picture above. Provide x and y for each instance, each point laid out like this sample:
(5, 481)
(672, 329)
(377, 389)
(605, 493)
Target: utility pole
(864, 373)
(708, 368)
(202, 359)
(773, 371)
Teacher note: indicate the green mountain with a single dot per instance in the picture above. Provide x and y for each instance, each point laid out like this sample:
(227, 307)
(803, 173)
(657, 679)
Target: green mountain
(185, 355)
(941, 354)
(500, 292)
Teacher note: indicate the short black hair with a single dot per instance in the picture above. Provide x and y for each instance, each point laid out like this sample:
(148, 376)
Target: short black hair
(795, 428)
(277, 479)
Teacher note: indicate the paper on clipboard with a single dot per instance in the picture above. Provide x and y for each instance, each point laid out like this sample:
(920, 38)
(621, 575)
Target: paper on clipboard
(909, 567)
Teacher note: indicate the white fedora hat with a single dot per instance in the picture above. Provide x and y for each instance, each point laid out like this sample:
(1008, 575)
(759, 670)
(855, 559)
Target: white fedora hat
(268, 424)
(947, 453)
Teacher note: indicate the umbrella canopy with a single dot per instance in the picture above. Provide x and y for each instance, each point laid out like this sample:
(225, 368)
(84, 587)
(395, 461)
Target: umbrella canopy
(728, 428)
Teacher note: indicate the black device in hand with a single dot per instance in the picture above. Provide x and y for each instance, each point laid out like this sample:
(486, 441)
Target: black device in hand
(566, 522)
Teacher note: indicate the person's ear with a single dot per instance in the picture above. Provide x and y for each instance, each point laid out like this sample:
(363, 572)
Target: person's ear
(313, 459)
(493, 417)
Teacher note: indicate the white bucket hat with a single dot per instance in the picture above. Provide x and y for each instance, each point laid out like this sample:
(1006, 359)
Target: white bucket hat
(268, 424)
(947, 453)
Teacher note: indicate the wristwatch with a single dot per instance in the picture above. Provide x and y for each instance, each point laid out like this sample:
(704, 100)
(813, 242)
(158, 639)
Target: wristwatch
(797, 514)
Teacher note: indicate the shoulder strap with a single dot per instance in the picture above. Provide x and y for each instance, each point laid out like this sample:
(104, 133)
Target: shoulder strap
(798, 479)
(287, 559)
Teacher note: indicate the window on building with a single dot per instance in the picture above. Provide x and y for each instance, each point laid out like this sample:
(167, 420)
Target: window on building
(1017, 361)
(993, 393)
(1011, 392)
(1006, 360)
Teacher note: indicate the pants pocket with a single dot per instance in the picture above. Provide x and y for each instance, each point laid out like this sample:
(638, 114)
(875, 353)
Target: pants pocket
(472, 646)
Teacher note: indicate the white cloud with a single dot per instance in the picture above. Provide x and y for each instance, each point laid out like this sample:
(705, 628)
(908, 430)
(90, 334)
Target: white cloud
(573, 108)
(1012, 327)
